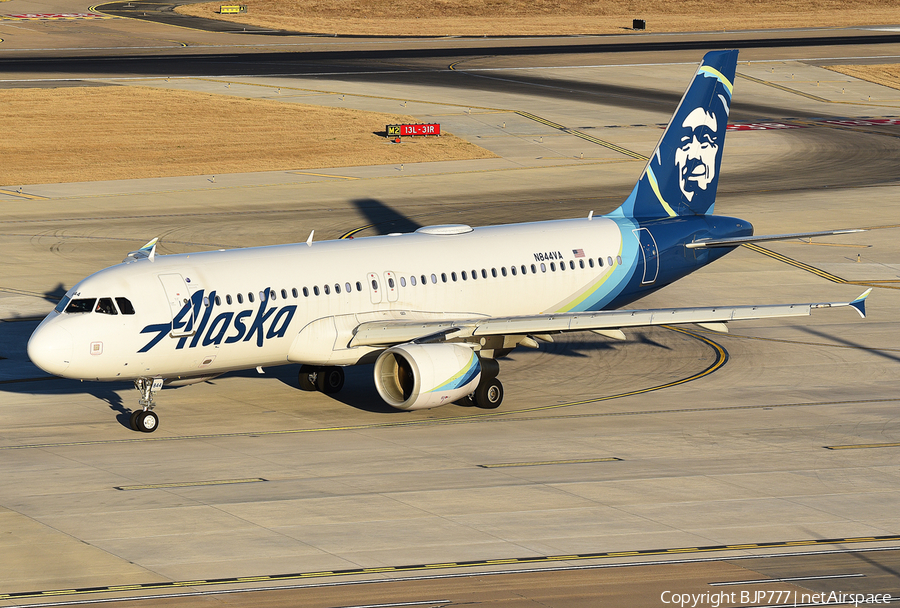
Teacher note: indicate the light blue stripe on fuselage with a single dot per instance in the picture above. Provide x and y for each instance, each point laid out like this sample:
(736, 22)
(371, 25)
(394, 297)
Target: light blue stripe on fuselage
(608, 288)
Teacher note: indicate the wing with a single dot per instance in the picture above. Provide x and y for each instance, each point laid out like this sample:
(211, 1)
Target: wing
(606, 322)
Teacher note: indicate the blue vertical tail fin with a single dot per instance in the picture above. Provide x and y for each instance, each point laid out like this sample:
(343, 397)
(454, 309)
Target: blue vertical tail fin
(682, 174)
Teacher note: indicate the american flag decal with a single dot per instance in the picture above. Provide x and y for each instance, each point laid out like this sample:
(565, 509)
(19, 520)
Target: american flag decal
(579, 253)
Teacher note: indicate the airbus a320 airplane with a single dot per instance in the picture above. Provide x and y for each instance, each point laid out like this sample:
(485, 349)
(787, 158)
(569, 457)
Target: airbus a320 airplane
(434, 309)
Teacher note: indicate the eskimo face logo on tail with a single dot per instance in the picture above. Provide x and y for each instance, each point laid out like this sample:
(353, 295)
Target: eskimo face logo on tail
(695, 157)
(682, 174)
(229, 326)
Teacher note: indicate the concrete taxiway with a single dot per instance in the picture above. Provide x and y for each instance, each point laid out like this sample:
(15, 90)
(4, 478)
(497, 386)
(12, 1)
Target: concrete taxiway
(781, 437)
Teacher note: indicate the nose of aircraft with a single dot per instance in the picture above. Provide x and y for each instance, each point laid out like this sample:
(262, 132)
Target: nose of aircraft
(50, 348)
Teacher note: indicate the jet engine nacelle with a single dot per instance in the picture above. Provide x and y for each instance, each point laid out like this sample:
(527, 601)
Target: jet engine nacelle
(419, 376)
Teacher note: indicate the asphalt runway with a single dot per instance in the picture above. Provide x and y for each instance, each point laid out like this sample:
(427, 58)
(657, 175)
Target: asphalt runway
(613, 471)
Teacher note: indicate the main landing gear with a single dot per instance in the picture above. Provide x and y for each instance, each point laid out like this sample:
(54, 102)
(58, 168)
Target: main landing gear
(489, 392)
(145, 419)
(326, 380)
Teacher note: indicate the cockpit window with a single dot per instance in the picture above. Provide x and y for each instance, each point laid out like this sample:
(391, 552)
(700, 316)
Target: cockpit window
(105, 306)
(81, 305)
(125, 306)
(62, 304)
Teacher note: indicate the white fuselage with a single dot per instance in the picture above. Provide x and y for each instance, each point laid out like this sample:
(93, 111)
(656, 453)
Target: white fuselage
(313, 296)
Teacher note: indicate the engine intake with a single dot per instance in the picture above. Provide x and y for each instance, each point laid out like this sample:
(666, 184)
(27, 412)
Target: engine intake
(419, 376)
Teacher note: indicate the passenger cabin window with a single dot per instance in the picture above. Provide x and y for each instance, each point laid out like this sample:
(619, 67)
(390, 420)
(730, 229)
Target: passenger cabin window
(483, 273)
(591, 262)
(581, 263)
(543, 267)
(572, 265)
(337, 288)
(600, 262)
(474, 275)
(250, 297)
(444, 277)
(218, 302)
(327, 290)
(358, 286)
(240, 298)
(81, 305)
(494, 272)
(503, 271)
(453, 276)
(434, 278)
(553, 266)
(464, 276)
(412, 280)
(609, 260)
(305, 292)
(316, 289)
(374, 284)
(533, 269)
(390, 282)
(402, 281)
(294, 292)
(347, 287)
(105, 306)
(284, 294)
(619, 260)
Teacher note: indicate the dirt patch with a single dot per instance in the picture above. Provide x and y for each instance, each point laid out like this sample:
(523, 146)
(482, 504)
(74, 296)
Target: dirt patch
(90, 134)
(546, 17)
(884, 74)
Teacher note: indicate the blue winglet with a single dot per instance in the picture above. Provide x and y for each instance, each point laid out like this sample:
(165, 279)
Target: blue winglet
(149, 250)
(860, 303)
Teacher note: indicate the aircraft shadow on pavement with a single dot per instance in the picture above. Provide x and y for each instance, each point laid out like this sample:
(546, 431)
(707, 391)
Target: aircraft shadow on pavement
(845, 342)
(383, 218)
(56, 294)
(359, 390)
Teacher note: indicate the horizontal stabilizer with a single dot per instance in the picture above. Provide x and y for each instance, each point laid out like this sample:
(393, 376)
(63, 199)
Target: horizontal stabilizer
(740, 240)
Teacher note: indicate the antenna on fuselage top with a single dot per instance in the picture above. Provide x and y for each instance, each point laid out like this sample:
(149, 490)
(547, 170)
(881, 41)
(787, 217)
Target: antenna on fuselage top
(591, 215)
(309, 240)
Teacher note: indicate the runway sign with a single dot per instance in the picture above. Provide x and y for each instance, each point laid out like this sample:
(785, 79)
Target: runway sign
(410, 130)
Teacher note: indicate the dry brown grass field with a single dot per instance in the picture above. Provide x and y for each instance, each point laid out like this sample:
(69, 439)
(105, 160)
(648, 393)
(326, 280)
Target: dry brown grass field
(884, 74)
(546, 17)
(100, 133)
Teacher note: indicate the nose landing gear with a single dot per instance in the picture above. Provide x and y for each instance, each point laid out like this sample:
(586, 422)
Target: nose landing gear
(145, 419)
